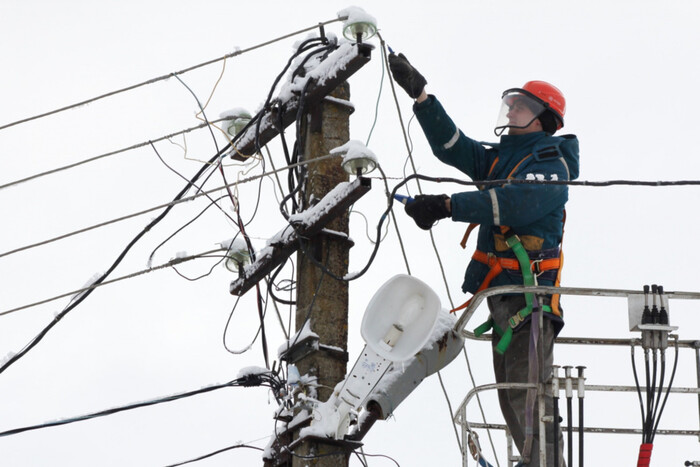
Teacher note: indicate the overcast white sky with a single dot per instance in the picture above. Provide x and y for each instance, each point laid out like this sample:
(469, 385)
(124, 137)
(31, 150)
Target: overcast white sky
(629, 70)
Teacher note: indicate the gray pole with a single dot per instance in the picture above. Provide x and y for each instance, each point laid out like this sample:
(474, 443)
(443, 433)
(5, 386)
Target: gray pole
(320, 298)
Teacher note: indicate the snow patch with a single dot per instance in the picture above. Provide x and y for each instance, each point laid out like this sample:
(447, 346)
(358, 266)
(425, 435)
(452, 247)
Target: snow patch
(234, 244)
(354, 149)
(302, 334)
(355, 14)
(314, 213)
(86, 287)
(252, 370)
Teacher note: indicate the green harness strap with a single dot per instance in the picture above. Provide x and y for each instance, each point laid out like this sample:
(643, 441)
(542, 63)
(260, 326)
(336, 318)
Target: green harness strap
(506, 336)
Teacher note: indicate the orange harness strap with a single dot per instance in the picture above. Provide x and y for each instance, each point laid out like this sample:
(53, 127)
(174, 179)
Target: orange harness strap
(495, 270)
(555, 298)
(513, 264)
(472, 226)
(497, 264)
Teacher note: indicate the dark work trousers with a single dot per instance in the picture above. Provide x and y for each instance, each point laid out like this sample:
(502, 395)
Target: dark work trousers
(513, 367)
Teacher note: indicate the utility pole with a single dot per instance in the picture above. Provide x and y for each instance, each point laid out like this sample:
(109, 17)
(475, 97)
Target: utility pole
(322, 299)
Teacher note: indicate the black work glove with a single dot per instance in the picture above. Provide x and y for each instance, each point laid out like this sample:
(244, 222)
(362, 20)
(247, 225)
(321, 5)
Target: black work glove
(406, 76)
(426, 209)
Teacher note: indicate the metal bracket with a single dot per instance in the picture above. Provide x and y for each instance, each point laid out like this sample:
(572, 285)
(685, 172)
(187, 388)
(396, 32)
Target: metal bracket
(301, 349)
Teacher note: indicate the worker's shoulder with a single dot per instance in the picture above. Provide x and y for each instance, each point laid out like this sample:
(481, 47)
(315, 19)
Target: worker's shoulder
(554, 147)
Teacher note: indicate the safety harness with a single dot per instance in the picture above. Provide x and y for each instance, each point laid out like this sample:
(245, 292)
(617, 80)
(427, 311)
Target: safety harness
(521, 263)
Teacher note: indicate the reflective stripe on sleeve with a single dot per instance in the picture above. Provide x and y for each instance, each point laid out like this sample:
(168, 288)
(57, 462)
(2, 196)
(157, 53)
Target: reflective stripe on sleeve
(494, 206)
(452, 140)
(566, 166)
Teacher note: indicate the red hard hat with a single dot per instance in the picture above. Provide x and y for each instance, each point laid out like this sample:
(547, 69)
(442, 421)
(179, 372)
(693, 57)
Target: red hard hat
(551, 97)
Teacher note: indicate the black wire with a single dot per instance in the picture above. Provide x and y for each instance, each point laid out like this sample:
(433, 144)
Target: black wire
(206, 274)
(301, 68)
(362, 461)
(241, 225)
(270, 284)
(170, 237)
(655, 416)
(253, 380)
(212, 454)
(228, 321)
(668, 391)
(379, 96)
(384, 456)
(645, 429)
(313, 300)
(201, 109)
(304, 46)
(639, 391)
(295, 186)
(114, 265)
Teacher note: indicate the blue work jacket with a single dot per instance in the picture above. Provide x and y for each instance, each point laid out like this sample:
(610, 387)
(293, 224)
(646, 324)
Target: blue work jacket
(535, 212)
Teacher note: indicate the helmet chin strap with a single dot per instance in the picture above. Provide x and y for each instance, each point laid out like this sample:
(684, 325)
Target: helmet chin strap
(500, 129)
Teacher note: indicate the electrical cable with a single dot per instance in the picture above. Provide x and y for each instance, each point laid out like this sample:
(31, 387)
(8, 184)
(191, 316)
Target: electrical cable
(277, 312)
(155, 208)
(114, 265)
(228, 322)
(409, 147)
(102, 156)
(396, 224)
(268, 380)
(206, 274)
(639, 389)
(110, 281)
(171, 236)
(398, 110)
(201, 110)
(212, 454)
(271, 284)
(379, 96)
(359, 213)
(170, 75)
(279, 182)
(384, 456)
(668, 390)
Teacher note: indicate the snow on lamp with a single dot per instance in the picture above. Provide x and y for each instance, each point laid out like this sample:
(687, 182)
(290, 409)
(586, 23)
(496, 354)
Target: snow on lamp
(359, 25)
(357, 158)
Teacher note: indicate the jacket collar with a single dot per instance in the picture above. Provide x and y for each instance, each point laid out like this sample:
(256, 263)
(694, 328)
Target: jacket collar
(516, 142)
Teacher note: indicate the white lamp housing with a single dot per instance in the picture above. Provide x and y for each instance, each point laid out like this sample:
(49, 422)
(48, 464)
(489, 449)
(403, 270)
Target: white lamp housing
(400, 318)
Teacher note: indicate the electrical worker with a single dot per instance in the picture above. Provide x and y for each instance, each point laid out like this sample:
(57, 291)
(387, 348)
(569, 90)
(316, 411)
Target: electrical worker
(511, 216)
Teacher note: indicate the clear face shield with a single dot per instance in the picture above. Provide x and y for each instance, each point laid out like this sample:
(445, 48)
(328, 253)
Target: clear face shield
(519, 110)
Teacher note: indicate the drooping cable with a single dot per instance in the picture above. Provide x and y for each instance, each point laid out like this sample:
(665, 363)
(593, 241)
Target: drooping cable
(212, 454)
(259, 379)
(414, 176)
(104, 276)
(409, 148)
(169, 75)
(104, 155)
(668, 389)
(82, 290)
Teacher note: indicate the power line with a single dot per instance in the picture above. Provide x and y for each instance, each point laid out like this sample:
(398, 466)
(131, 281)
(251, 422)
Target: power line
(170, 263)
(212, 454)
(107, 154)
(79, 299)
(170, 75)
(254, 379)
(161, 206)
